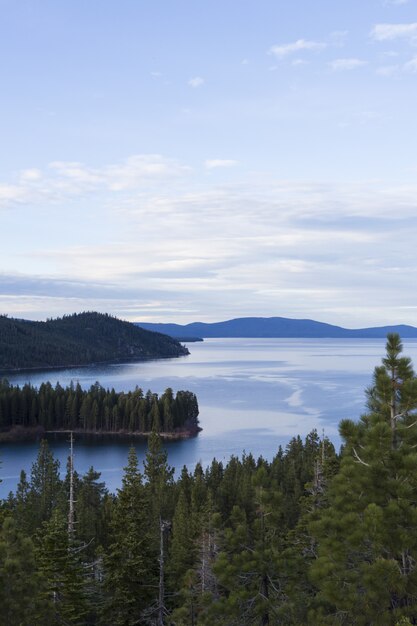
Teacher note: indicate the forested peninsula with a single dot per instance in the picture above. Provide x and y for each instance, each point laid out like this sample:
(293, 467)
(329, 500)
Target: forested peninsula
(311, 537)
(29, 411)
(79, 339)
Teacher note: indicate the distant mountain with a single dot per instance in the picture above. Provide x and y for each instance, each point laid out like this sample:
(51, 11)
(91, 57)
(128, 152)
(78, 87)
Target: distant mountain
(274, 327)
(79, 339)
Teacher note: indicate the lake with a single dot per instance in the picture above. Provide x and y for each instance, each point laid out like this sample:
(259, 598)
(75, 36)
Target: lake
(254, 394)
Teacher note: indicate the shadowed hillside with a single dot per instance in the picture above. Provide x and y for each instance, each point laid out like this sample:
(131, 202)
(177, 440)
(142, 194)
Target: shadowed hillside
(79, 339)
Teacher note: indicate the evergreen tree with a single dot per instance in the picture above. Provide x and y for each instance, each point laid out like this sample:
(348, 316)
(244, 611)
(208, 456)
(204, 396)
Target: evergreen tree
(182, 548)
(89, 511)
(21, 598)
(62, 571)
(126, 564)
(45, 485)
(159, 494)
(366, 571)
(159, 479)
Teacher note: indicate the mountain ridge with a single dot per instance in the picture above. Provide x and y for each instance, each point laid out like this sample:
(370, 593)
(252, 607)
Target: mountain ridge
(274, 327)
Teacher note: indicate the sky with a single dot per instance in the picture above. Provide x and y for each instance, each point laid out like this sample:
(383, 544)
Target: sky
(201, 160)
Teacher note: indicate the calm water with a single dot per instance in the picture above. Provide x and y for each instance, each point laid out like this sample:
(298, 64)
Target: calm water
(254, 394)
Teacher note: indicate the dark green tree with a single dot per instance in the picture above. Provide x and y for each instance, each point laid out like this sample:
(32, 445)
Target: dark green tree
(45, 486)
(22, 600)
(62, 571)
(367, 546)
(129, 591)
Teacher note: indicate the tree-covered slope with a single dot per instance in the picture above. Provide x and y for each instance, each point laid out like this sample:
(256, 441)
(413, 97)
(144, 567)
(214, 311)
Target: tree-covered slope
(79, 339)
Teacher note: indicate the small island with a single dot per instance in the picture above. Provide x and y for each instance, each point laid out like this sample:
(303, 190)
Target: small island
(77, 340)
(30, 412)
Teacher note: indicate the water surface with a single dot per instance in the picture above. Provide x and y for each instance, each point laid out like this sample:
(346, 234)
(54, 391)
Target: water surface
(254, 394)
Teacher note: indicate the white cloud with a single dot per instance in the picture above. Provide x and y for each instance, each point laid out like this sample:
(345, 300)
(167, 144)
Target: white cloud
(211, 164)
(387, 70)
(11, 193)
(392, 70)
(31, 174)
(346, 64)
(197, 81)
(299, 62)
(389, 32)
(129, 174)
(411, 66)
(295, 247)
(283, 50)
(65, 179)
(396, 2)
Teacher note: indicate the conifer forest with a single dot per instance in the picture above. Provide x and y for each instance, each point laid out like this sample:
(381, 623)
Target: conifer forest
(314, 536)
(95, 410)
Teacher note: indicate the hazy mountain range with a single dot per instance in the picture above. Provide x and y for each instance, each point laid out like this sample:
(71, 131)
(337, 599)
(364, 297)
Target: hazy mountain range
(274, 327)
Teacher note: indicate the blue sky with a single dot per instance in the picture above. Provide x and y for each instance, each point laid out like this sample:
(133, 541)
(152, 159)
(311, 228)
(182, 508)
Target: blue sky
(186, 160)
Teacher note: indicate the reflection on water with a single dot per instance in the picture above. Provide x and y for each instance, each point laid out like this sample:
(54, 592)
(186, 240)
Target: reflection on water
(254, 394)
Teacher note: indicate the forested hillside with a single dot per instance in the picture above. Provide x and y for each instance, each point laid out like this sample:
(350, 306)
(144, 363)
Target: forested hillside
(95, 410)
(310, 537)
(79, 339)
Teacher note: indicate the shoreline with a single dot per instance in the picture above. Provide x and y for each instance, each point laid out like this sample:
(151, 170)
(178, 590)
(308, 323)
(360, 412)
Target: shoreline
(51, 368)
(21, 434)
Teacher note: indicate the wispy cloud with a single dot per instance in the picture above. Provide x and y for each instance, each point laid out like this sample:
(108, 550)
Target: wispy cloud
(389, 32)
(346, 64)
(310, 248)
(31, 174)
(411, 66)
(212, 164)
(299, 62)
(197, 81)
(388, 70)
(396, 2)
(280, 51)
(63, 179)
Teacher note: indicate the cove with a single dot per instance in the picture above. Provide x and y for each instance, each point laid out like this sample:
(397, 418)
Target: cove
(253, 394)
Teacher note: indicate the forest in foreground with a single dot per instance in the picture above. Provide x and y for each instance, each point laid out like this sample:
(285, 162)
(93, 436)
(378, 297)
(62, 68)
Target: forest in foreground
(311, 537)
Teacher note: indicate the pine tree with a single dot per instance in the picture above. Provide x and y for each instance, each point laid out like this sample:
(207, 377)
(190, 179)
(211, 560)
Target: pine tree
(159, 478)
(21, 599)
(127, 563)
(366, 567)
(62, 570)
(182, 550)
(89, 511)
(159, 494)
(45, 485)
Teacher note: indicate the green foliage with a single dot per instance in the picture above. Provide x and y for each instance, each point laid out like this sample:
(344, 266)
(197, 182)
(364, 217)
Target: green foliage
(79, 339)
(62, 571)
(308, 538)
(45, 486)
(90, 520)
(365, 572)
(127, 562)
(96, 409)
(21, 586)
